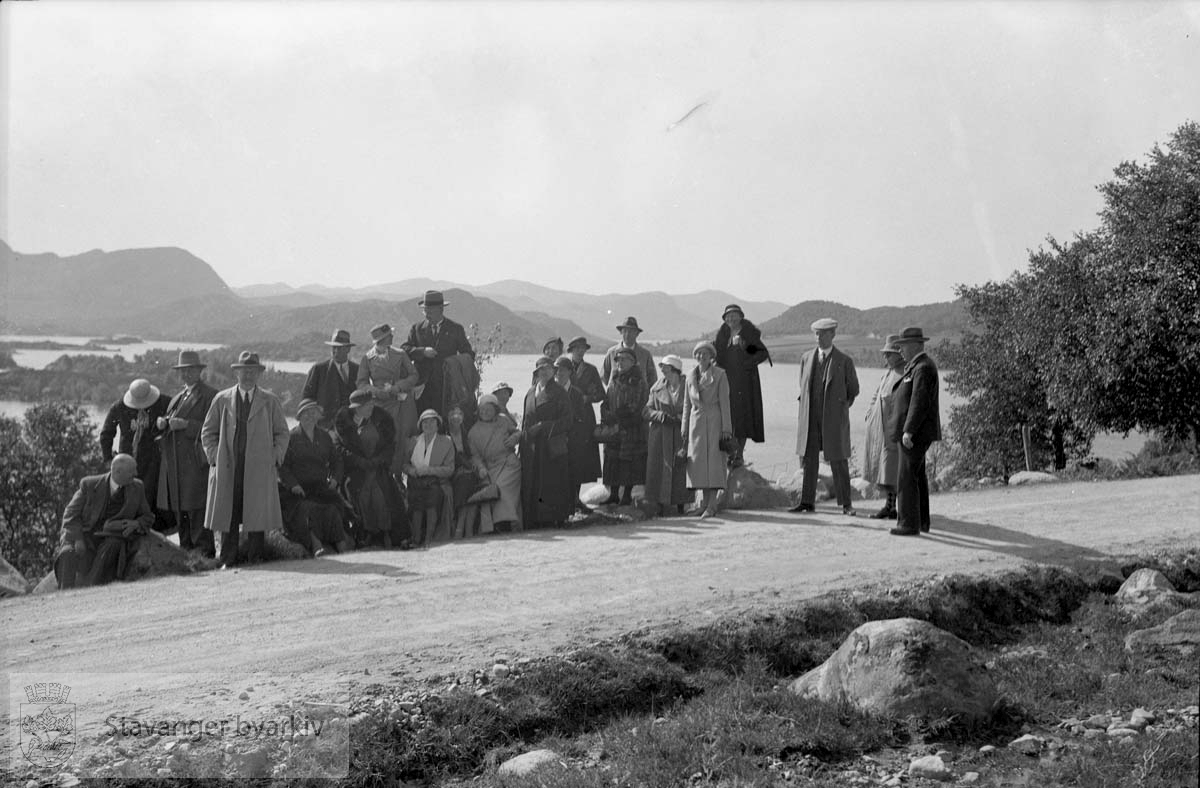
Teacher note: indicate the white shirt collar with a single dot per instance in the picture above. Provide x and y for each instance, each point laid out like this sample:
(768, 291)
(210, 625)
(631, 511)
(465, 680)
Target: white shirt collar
(113, 487)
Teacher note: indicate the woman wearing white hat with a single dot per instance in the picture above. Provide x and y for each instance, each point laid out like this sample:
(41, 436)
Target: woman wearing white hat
(135, 415)
(429, 469)
(706, 423)
(666, 479)
(493, 441)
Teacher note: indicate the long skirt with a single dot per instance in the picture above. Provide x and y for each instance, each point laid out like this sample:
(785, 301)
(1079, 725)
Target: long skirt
(666, 475)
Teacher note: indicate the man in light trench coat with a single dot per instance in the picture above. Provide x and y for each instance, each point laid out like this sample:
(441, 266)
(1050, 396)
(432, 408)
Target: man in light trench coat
(245, 438)
(828, 386)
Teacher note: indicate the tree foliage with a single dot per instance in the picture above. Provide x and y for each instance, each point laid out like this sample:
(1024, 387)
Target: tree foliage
(46, 454)
(1101, 333)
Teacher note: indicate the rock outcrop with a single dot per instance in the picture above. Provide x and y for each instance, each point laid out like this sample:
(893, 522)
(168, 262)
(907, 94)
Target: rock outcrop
(527, 762)
(904, 667)
(12, 582)
(746, 489)
(1180, 632)
(1031, 477)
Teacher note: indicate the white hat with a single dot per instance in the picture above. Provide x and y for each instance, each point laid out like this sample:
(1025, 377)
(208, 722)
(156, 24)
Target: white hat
(672, 360)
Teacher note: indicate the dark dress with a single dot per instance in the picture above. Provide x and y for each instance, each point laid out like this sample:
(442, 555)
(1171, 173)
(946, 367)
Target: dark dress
(366, 450)
(625, 457)
(583, 452)
(666, 476)
(740, 363)
(139, 437)
(547, 497)
(309, 464)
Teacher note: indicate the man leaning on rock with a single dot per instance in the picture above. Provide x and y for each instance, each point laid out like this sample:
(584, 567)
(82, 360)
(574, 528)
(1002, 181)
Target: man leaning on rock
(104, 518)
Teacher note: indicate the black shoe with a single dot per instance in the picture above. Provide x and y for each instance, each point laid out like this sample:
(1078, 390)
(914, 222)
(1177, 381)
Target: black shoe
(580, 506)
(612, 500)
(849, 511)
(885, 513)
(903, 532)
(803, 507)
(924, 528)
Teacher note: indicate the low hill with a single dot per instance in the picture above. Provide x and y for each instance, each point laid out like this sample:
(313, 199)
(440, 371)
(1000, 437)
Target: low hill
(941, 320)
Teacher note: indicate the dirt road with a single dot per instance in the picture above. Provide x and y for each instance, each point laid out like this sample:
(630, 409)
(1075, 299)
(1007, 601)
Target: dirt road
(316, 628)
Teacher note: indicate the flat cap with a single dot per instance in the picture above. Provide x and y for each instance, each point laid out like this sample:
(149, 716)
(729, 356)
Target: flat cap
(824, 324)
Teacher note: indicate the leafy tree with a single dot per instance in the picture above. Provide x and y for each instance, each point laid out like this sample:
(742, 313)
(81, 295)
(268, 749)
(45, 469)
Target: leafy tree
(45, 457)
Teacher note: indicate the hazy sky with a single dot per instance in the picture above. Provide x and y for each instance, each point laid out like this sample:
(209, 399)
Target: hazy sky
(869, 153)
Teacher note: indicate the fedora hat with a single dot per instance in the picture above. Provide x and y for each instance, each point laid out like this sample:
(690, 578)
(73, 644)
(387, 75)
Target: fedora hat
(630, 322)
(433, 298)
(189, 358)
(733, 308)
(141, 394)
(579, 341)
(912, 334)
(341, 338)
(543, 361)
(891, 344)
(550, 342)
(247, 358)
(380, 331)
(308, 404)
(564, 362)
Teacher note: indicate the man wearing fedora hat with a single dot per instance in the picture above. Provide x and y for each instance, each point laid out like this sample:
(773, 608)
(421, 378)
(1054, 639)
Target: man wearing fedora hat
(183, 474)
(135, 416)
(915, 424)
(828, 386)
(431, 344)
(391, 378)
(245, 438)
(629, 341)
(330, 383)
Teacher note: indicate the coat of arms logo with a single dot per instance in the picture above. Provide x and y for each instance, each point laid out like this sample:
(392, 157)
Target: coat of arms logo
(47, 724)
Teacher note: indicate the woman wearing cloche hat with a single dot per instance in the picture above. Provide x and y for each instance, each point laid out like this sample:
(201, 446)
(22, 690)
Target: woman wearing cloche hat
(740, 350)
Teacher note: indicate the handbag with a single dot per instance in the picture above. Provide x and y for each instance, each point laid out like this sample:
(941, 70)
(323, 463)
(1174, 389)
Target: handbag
(606, 433)
(488, 492)
(727, 445)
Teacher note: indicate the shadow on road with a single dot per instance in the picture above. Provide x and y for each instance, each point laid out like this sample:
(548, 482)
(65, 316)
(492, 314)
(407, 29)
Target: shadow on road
(998, 539)
(346, 565)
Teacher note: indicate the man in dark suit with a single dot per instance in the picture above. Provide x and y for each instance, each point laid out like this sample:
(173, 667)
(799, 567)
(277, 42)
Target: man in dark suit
(183, 471)
(330, 383)
(828, 386)
(106, 514)
(916, 423)
(430, 344)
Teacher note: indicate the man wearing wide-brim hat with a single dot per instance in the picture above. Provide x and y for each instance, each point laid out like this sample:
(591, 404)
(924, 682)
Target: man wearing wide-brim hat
(629, 331)
(915, 424)
(433, 344)
(245, 438)
(183, 474)
(135, 416)
(828, 386)
(330, 382)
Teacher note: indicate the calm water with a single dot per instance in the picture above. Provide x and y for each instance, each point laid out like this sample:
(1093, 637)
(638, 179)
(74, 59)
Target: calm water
(39, 359)
(780, 385)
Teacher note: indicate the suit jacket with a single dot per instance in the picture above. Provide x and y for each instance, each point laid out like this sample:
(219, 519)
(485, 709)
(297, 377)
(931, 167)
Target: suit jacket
(325, 385)
(450, 340)
(915, 403)
(184, 468)
(85, 512)
(841, 387)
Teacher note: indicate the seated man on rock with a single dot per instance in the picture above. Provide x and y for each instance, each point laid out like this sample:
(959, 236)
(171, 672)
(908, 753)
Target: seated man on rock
(308, 486)
(101, 524)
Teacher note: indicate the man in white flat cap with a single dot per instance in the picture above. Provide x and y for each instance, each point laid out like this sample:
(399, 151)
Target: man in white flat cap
(828, 386)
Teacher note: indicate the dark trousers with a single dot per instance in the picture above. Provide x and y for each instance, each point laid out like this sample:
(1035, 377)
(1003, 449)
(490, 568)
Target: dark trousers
(101, 562)
(912, 488)
(192, 533)
(812, 463)
(256, 541)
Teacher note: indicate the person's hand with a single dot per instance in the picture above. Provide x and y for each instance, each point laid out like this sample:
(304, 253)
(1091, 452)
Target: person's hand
(133, 527)
(429, 352)
(177, 423)
(297, 490)
(726, 435)
(161, 422)
(483, 474)
(332, 483)
(681, 454)
(80, 546)
(907, 440)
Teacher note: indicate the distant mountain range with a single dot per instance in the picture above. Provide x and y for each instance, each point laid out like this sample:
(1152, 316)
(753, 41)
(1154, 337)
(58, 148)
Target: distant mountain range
(171, 293)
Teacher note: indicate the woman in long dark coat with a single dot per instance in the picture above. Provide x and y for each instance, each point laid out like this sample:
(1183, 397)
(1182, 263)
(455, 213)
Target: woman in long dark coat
(583, 454)
(547, 497)
(666, 454)
(366, 438)
(625, 457)
(740, 350)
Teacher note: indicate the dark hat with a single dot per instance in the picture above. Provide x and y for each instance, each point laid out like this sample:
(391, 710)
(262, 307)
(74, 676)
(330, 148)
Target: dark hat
(624, 351)
(307, 404)
(550, 342)
(543, 361)
(733, 308)
(380, 331)
(912, 334)
(361, 397)
(341, 338)
(579, 341)
(891, 344)
(433, 298)
(565, 362)
(630, 322)
(247, 358)
(824, 324)
(189, 358)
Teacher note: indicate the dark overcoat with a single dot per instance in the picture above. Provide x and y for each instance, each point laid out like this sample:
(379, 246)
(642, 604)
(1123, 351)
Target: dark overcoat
(325, 385)
(841, 387)
(915, 403)
(449, 341)
(183, 472)
(740, 362)
(547, 496)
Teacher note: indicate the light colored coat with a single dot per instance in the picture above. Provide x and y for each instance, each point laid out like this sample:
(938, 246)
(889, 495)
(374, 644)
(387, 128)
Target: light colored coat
(705, 417)
(841, 387)
(266, 446)
(881, 456)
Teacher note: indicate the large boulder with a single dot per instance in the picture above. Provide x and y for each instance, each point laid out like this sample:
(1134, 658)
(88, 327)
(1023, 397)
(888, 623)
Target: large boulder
(12, 582)
(278, 547)
(46, 585)
(1031, 477)
(156, 556)
(1146, 588)
(526, 763)
(904, 667)
(748, 490)
(1180, 632)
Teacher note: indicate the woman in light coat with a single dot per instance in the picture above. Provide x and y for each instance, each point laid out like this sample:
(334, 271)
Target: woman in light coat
(706, 420)
(493, 441)
(881, 457)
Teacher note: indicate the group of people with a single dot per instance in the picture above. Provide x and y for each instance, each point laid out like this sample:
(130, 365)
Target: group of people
(397, 449)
